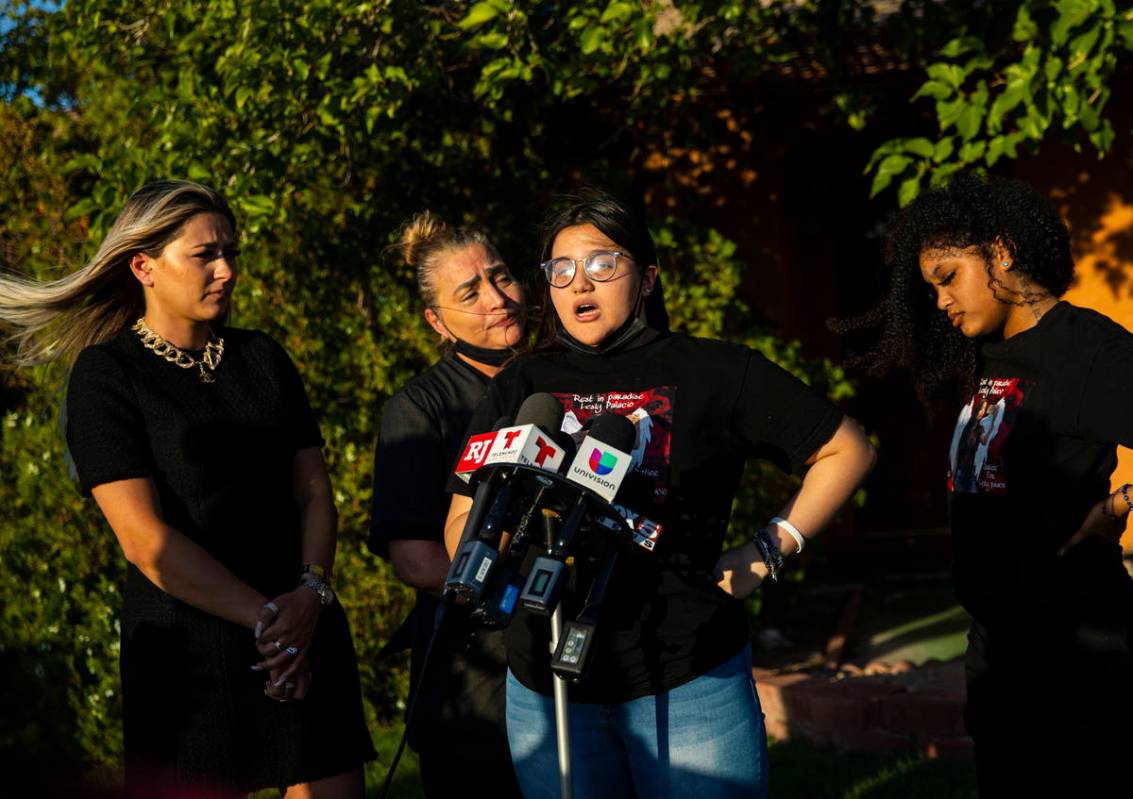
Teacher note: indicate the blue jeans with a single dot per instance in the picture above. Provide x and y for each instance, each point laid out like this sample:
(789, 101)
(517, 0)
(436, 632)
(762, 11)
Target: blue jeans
(701, 740)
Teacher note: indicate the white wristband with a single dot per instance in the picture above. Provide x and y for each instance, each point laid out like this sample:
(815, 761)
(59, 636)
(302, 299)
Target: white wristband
(792, 530)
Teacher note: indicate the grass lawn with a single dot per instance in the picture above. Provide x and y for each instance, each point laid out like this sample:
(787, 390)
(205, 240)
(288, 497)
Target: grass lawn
(406, 784)
(802, 770)
(912, 621)
(797, 770)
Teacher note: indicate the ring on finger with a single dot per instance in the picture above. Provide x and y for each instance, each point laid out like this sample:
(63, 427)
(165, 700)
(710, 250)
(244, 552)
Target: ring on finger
(274, 608)
(293, 650)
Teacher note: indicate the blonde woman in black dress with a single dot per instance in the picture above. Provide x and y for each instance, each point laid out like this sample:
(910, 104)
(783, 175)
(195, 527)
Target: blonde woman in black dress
(197, 442)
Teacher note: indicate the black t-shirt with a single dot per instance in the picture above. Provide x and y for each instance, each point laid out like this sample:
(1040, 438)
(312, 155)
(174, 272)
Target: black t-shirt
(422, 434)
(1032, 451)
(700, 409)
(421, 437)
(220, 454)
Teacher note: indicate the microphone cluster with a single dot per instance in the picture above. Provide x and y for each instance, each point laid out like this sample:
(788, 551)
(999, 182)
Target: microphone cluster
(524, 477)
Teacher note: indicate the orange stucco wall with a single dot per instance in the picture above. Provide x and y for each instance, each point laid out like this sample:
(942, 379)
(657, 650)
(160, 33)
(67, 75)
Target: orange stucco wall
(1104, 257)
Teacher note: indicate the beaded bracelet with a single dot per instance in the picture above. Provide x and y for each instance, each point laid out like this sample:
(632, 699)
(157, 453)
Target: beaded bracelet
(769, 552)
(1125, 496)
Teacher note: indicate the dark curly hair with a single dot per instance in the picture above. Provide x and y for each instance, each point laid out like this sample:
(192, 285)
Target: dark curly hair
(970, 211)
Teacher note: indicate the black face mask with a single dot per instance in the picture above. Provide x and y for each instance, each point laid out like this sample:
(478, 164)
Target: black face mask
(620, 339)
(488, 357)
(484, 355)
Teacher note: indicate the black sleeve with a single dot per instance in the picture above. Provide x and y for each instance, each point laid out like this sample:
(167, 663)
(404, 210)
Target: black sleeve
(1105, 413)
(410, 469)
(491, 407)
(300, 419)
(105, 430)
(781, 418)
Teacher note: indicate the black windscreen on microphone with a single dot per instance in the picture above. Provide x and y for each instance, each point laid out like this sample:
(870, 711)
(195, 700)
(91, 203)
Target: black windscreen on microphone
(563, 439)
(502, 422)
(541, 410)
(614, 430)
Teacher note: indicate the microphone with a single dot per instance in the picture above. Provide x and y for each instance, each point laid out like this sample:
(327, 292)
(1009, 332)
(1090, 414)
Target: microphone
(531, 442)
(603, 458)
(571, 658)
(525, 444)
(476, 450)
(497, 604)
(601, 465)
(465, 566)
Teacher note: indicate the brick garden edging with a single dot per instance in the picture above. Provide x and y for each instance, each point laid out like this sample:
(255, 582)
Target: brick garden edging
(920, 711)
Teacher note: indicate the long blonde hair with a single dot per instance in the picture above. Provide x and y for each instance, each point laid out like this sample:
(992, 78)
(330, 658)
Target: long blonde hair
(57, 319)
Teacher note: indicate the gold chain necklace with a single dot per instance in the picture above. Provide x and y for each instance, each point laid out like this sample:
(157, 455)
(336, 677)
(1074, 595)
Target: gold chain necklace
(214, 351)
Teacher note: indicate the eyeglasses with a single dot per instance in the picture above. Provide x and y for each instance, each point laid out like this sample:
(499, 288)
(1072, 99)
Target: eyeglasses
(598, 266)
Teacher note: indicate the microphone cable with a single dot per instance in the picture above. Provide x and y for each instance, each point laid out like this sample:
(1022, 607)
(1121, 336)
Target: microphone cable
(438, 620)
(541, 410)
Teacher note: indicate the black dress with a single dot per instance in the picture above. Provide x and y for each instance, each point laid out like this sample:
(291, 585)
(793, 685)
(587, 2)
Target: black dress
(220, 455)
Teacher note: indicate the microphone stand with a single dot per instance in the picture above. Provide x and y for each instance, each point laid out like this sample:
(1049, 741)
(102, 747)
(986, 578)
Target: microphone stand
(562, 713)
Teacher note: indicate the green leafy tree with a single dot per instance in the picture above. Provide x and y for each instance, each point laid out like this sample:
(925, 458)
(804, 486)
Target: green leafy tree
(327, 124)
(1039, 69)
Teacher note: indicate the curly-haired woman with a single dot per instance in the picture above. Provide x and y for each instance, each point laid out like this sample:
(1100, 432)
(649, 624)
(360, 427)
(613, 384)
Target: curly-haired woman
(1046, 388)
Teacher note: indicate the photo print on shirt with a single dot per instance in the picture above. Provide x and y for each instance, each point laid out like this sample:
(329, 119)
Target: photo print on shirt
(975, 459)
(651, 412)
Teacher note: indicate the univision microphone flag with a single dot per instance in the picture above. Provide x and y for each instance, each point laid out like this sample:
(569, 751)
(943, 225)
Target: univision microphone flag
(599, 467)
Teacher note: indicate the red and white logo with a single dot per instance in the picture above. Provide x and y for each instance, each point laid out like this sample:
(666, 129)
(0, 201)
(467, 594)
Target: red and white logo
(546, 451)
(475, 454)
(526, 445)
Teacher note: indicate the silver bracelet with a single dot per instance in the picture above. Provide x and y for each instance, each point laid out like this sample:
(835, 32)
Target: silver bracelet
(791, 530)
(319, 586)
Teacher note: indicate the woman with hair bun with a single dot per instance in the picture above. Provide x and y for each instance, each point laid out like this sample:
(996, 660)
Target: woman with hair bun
(199, 447)
(476, 306)
(1044, 400)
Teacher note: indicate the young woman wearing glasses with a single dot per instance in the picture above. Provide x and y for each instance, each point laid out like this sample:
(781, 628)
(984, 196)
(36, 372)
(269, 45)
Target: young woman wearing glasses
(668, 707)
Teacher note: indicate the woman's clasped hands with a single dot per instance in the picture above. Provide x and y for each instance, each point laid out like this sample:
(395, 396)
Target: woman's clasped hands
(284, 631)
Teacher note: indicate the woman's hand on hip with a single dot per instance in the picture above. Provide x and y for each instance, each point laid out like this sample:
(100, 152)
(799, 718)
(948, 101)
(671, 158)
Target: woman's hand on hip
(740, 571)
(1098, 522)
